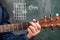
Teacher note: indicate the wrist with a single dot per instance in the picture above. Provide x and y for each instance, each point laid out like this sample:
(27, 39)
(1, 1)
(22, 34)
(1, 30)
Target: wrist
(28, 36)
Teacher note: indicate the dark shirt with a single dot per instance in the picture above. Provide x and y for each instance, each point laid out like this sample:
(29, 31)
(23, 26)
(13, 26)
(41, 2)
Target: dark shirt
(4, 17)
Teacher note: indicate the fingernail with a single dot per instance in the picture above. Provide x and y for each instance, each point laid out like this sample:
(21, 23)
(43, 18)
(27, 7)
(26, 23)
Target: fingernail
(34, 19)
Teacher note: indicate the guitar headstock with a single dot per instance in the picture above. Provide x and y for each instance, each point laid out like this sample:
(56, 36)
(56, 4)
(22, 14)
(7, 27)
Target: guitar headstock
(52, 22)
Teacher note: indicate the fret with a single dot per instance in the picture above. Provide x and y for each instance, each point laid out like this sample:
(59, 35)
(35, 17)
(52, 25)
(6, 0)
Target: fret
(4, 28)
(8, 27)
(1, 28)
(17, 26)
(24, 25)
(12, 27)
(21, 26)
(27, 24)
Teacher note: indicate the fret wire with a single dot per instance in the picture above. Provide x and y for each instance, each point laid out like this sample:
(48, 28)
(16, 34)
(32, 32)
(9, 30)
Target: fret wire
(1, 29)
(4, 28)
(26, 24)
(9, 27)
(17, 26)
(12, 27)
(22, 26)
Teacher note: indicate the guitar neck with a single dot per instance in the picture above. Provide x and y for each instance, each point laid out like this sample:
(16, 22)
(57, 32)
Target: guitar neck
(13, 27)
(45, 23)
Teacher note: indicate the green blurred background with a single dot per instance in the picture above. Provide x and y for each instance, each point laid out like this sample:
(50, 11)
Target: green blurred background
(43, 7)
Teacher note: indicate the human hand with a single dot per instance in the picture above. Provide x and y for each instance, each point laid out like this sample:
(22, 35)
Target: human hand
(33, 29)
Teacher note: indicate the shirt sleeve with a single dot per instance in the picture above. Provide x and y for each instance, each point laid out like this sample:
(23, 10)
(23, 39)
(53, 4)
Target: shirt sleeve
(5, 16)
(22, 37)
(9, 35)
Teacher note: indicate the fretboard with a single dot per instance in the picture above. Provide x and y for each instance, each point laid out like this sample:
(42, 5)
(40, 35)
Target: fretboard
(13, 27)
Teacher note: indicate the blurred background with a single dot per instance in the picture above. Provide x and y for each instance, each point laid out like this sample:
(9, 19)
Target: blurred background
(26, 10)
